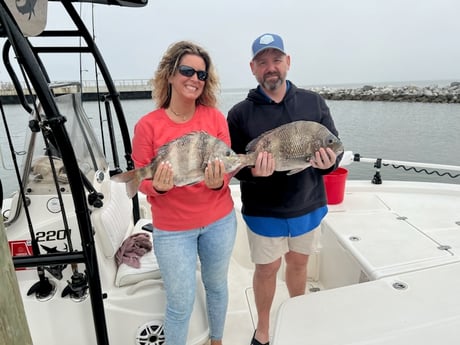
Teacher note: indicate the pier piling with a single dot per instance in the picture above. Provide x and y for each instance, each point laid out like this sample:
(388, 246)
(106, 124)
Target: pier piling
(14, 329)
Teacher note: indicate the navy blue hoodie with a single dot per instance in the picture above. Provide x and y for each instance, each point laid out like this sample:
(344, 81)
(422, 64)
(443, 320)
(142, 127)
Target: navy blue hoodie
(278, 195)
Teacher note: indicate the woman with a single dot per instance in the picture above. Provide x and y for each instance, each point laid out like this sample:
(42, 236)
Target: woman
(190, 221)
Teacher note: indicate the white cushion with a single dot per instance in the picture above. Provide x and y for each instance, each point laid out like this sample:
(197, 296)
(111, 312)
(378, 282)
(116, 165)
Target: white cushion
(127, 275)
(113, 224)
(113, 220)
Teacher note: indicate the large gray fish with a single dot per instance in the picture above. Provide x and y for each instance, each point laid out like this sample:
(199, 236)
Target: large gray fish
(189, 156)
(293, 145)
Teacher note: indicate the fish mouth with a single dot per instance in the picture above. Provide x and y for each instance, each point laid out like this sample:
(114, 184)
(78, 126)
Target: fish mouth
(339, 150)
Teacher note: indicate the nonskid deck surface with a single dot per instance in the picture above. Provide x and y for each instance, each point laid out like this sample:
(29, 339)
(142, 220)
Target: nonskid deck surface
(419, 307)
(242, 314)
(377, 235)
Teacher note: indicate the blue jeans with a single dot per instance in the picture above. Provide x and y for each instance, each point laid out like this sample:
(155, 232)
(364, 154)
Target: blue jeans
(176, 252)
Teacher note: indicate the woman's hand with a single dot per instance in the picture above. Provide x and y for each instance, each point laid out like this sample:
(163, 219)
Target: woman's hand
(163, 178)
(214, 174)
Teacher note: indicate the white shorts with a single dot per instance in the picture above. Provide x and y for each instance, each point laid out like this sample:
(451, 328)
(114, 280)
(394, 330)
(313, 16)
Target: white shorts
(265, 250)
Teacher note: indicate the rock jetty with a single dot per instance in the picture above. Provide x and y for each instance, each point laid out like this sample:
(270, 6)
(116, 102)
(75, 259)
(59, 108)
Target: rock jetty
(409, 93)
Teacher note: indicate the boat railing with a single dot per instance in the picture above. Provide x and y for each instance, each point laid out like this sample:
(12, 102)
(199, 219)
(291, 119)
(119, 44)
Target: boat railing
(442, 170)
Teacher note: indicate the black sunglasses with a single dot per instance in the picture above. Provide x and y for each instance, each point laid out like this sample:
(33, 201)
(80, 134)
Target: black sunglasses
(188, 71)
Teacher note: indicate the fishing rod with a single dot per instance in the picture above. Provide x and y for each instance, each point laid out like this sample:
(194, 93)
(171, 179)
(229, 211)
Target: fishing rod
(77, 286)
(43, 288)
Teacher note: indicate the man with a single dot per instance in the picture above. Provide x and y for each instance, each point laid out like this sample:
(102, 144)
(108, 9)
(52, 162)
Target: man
(282, 212)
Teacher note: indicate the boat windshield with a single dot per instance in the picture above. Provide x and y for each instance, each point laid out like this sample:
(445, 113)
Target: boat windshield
(37, 167)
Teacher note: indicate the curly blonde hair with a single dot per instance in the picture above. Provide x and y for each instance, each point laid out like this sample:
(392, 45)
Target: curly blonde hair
(161, 89)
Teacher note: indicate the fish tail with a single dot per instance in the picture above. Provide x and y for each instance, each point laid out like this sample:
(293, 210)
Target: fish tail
(124, 177)
(131, 179)
(248, 159)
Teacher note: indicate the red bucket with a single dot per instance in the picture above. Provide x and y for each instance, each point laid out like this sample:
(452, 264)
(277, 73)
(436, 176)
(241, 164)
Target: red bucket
(335, 185)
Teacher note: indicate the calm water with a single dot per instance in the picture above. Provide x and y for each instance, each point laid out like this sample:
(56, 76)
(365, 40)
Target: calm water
(418, 132)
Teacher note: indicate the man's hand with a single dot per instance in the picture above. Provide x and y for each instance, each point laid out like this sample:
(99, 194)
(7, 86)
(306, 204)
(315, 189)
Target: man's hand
(323, 159)
(265, 165)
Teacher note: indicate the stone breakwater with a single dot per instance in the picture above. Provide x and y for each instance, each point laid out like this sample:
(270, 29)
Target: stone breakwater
(410, 93)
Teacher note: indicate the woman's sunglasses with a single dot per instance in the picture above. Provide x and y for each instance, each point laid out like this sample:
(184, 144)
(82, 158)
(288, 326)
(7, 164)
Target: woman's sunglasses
(188, 71)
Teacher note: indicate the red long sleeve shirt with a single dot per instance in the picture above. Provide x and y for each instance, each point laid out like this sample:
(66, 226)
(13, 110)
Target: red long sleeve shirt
(187, 207)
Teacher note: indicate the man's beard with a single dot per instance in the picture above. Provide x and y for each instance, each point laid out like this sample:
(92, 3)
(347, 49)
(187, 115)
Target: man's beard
(272, 84)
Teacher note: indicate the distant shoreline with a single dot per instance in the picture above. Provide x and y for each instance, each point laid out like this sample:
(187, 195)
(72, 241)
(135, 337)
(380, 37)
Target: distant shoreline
(408, 93)
(86, 96)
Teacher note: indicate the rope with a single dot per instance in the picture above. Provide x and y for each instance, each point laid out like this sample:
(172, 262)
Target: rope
(422, 170)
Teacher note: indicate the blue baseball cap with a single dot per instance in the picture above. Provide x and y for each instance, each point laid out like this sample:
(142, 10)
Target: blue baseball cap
(267, 41)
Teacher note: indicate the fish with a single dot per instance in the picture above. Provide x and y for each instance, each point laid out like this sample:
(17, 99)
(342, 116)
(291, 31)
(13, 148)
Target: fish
(188, 155)
(293, 145)
(27, 8)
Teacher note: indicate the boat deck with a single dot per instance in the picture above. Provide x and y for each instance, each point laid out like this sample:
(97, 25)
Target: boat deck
(419, 307)
(388, 272)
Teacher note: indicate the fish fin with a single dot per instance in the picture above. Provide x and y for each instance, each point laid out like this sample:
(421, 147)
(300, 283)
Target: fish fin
(234, 172)
(132, 187)
(191, 183)
(295, 171)
(252, 144)
(165, 149)
(124, 177)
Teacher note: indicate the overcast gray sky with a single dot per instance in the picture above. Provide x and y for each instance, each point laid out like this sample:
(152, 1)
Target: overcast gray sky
(330, 41)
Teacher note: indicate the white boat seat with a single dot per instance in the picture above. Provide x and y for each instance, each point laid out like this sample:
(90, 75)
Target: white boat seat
(113, 224)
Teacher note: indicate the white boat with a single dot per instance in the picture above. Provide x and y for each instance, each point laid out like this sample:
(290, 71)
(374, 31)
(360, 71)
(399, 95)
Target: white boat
(387, 272)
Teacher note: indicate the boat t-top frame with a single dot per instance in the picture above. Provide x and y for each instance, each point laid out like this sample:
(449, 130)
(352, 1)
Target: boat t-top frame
(46, 118)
